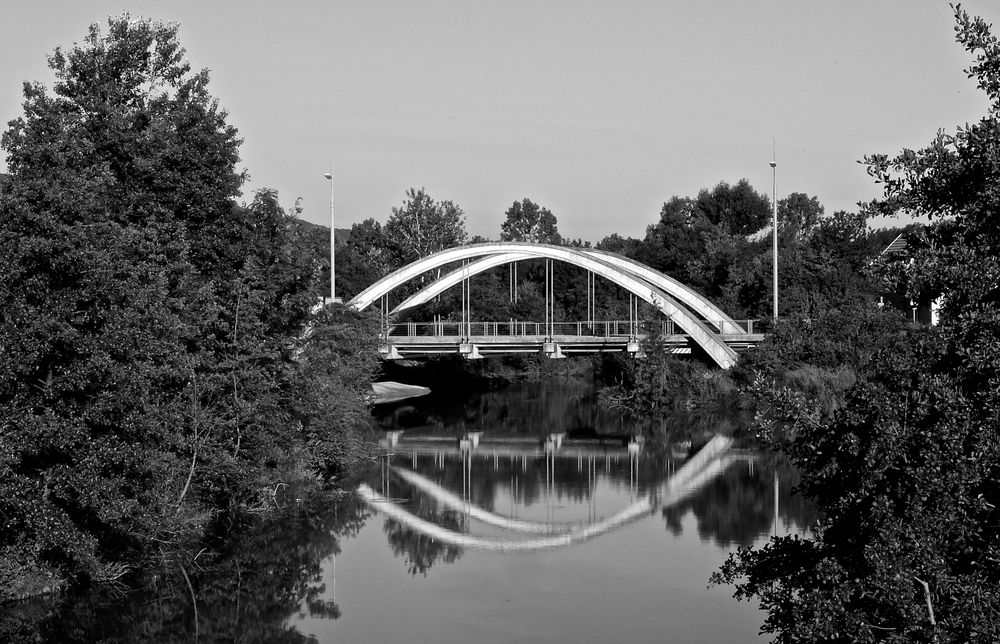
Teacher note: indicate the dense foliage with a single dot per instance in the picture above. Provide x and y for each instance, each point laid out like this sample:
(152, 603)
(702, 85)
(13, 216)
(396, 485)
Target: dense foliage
(250, 581)
(656, 382)
(527, 221)
(153, 366)
(422, 226)
(906, 472)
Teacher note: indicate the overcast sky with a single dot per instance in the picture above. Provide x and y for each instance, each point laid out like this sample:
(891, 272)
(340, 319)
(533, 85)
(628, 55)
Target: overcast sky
(599, 111)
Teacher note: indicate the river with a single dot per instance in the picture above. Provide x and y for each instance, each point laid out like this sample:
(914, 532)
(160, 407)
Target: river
(448, 566)
(545, 525)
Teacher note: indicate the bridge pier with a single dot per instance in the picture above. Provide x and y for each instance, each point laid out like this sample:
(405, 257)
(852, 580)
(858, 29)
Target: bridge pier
(389, 352)
(469, 351)
(552, 350)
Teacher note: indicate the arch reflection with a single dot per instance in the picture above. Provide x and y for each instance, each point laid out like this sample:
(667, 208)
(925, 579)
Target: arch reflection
(702, 468)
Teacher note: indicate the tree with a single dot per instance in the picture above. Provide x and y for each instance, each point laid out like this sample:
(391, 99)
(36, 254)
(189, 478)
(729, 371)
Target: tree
(615, 243)
(422, 226)
(129, 118)
(676, 239)
(905, 474)
(527, 221)
(143, 377)
(363, 259)
(740, 208)
(798, 214)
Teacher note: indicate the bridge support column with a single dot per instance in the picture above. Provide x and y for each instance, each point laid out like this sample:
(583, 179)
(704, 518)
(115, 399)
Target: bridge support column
(552, 350)
(469, 351)
(389, 352)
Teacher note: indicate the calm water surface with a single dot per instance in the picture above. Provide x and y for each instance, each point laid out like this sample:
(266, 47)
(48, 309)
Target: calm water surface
(436, 571)
(523, 538)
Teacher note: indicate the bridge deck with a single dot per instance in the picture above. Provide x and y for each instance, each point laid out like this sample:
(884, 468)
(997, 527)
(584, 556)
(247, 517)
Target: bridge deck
(418, 345)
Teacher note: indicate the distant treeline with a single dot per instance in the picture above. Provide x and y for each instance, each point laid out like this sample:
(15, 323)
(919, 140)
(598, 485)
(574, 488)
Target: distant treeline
(718, 242)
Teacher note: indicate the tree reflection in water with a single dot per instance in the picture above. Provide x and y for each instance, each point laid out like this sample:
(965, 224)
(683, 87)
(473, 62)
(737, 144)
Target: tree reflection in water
(733, 508)
(251, 578)
(738, 506)
(420, 551)
(255, 576)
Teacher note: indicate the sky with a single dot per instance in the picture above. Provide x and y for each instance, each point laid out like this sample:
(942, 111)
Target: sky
(599, 111)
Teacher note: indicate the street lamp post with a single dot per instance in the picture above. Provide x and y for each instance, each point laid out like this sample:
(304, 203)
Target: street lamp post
(333, 244)
(774, 201)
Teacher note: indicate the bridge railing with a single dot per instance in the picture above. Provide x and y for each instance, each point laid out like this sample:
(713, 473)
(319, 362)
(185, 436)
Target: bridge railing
(520, 328)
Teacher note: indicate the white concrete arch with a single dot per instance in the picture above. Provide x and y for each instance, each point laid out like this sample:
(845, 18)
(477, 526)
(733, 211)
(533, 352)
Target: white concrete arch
(677, 290)
(683, 293)
(445, 282)
(716, 348)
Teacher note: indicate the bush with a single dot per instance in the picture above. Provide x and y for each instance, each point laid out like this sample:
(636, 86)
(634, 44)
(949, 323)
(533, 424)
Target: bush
(844, 338)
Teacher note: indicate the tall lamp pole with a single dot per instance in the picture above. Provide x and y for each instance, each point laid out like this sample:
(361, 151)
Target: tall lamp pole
(774, 201)
(333, 244)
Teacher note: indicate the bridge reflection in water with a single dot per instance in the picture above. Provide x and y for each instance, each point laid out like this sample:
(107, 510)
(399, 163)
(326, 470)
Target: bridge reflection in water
(671, 487)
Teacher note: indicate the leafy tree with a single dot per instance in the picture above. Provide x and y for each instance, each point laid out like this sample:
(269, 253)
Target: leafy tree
(144, 376)
(615, 243)
(134, 135)
(363, 259)
(422, 226)
(676, 239)
(739, 208)
(798, 214)
(714, 270)
(527, 221)
(657, 382)
(905, 475)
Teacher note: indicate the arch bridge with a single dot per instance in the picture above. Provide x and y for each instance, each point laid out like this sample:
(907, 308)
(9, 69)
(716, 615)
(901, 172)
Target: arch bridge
(691, 320)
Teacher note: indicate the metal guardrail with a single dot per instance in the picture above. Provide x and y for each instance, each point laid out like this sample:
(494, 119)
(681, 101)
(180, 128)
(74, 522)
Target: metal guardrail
(518, 328)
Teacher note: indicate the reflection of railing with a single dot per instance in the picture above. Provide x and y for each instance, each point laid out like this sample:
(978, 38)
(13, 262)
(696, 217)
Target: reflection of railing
(700, 469)
(452, 500)
(518, 328)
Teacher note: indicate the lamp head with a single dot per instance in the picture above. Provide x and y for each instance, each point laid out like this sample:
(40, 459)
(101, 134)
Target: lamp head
(772, 164)
(328, 176)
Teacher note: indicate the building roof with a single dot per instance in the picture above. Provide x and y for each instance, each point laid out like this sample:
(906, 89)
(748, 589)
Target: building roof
(897, 247)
